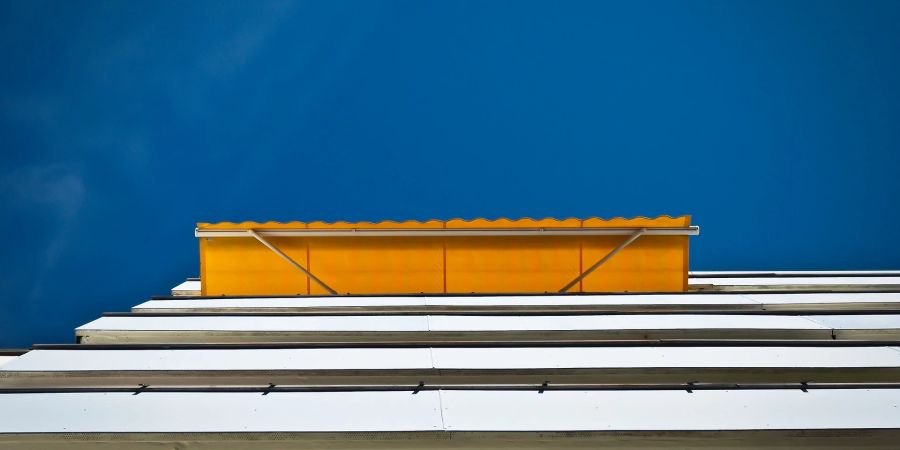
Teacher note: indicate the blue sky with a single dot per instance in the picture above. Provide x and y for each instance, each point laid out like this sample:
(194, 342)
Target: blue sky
(776, 124)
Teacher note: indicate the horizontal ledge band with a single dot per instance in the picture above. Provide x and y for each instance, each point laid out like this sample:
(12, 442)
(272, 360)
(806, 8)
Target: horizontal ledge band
(479, 344)
(463, 387)
(445, 232)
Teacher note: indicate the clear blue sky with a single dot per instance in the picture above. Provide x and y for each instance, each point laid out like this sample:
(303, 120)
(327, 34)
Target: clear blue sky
(776, 124)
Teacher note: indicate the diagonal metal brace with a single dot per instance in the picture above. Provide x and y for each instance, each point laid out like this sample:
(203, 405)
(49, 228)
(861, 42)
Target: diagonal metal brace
(609, 255)
(291, 261)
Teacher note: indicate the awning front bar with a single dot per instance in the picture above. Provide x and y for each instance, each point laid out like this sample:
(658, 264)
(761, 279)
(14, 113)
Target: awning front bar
(439, 232)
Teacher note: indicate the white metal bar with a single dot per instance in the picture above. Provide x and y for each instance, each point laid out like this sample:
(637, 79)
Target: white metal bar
(291, 261)
(400, 232)
(638, 233)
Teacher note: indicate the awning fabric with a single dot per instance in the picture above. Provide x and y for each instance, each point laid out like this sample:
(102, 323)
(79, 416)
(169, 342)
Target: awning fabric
(445, 264)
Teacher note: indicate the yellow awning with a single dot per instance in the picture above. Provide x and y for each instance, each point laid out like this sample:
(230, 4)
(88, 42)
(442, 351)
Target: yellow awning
(454, 256)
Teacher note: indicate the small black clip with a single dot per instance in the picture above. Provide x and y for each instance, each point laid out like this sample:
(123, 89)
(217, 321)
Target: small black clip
(140, 389)
(804, 385)
(543, 386)
(419, 387)
(690, 385)
(268, 389)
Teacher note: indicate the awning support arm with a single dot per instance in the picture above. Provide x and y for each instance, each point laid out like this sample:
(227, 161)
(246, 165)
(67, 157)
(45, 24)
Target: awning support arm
(609, 255)
(291, 261)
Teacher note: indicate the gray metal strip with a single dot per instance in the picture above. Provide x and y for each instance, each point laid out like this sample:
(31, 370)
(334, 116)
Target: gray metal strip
(434, 232)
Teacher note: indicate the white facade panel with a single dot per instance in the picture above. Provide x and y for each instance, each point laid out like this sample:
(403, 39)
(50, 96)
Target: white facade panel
(225, 359)
(454, 358)
(260, 323)
(4, 359)
(283, 302)
(189, 287)
(576, 300)
(534, 301)
(451, 323)
(219, 412)
(465, 323)
(859, 321)
(453, 411)
(830, 297)
(518, 300)
(618, 322)
(670, 410)
(626, 357)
